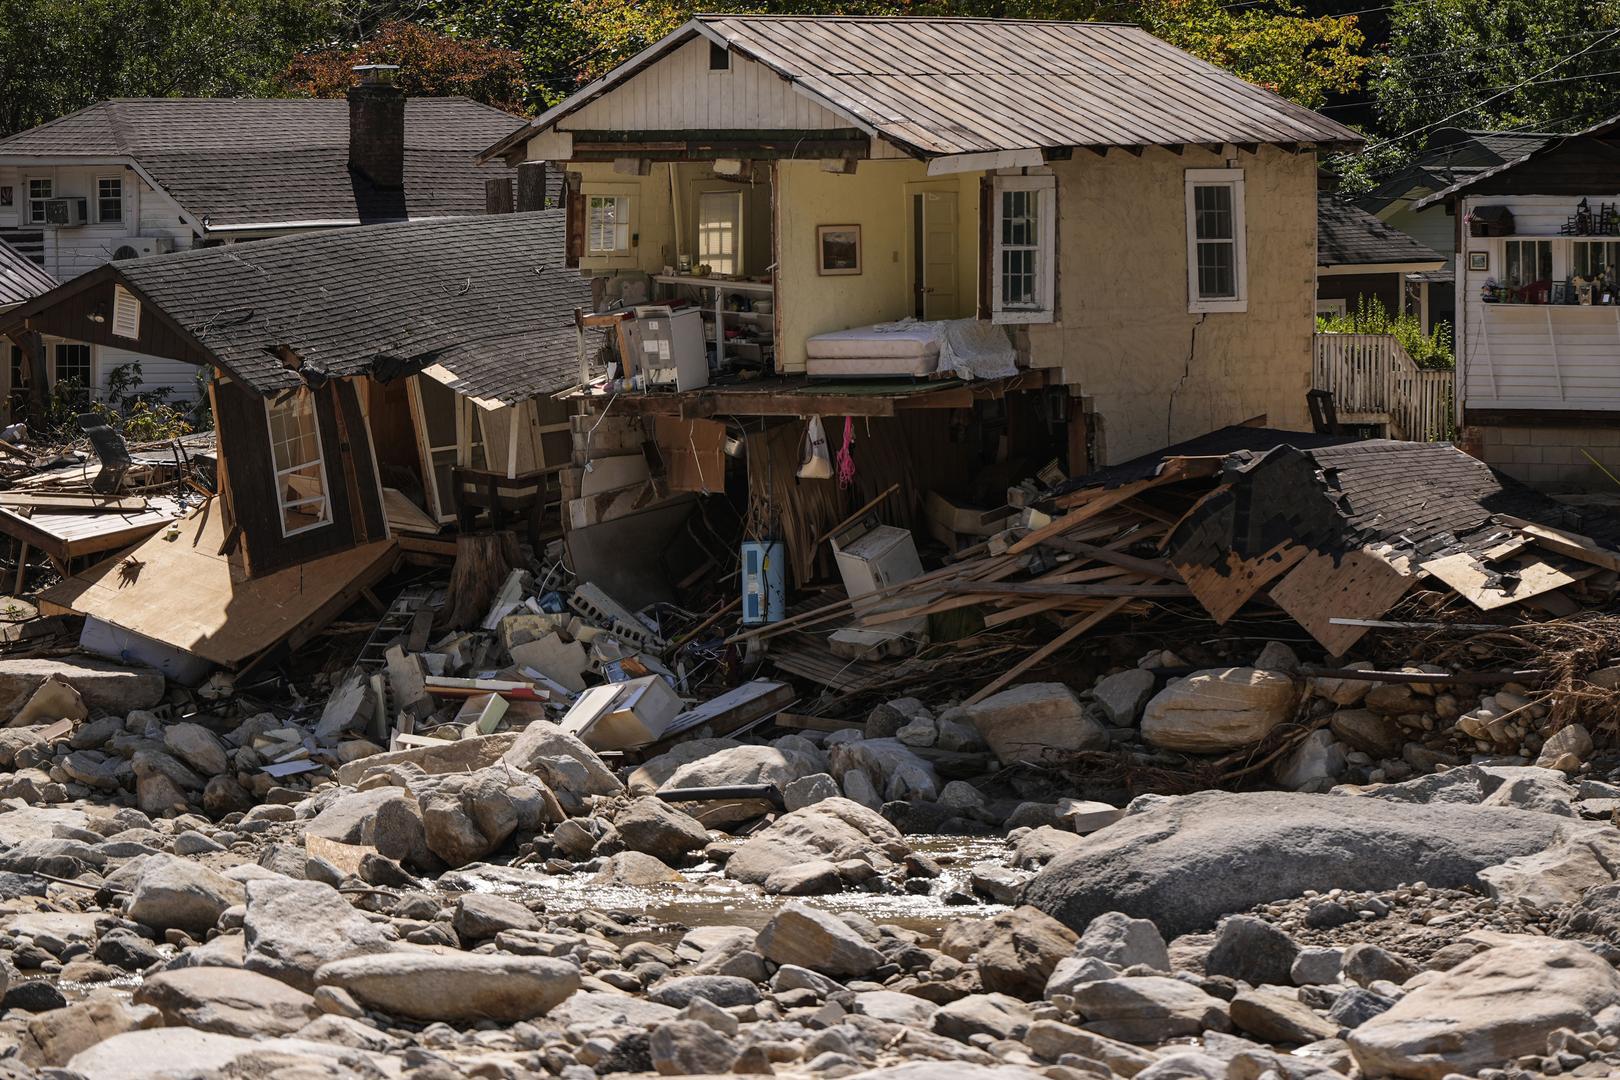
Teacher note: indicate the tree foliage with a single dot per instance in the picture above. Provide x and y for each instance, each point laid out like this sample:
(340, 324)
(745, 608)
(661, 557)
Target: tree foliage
(57, 56)
(432, 64)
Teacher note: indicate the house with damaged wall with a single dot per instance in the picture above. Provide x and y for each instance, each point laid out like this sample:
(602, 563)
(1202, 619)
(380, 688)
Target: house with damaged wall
(130, 178)
(368, 386)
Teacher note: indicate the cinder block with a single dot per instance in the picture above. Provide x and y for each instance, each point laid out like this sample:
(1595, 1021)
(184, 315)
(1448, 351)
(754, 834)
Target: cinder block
(1559, 455)
(1550, 436)
(1514, 436)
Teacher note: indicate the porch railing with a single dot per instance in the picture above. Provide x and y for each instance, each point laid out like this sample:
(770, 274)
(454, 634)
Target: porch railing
(1374, 380)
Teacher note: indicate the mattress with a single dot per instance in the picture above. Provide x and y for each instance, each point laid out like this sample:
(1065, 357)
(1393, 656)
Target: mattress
(869, 366)
(869, 343)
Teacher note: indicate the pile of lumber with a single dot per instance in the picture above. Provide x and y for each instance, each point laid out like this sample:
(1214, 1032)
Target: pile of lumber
(1334, 534)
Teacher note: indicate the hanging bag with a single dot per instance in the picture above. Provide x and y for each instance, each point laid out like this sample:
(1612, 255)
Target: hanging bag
(815, 463)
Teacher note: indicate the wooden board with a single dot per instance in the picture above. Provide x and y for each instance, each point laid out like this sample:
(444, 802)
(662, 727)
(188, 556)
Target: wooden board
(1359, 585)
(64, 534)
(1483, 587)
(405, 516)
(1574, 545)
(186, 594)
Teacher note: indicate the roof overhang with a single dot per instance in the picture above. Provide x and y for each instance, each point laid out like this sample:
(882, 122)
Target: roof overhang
(1341, 269)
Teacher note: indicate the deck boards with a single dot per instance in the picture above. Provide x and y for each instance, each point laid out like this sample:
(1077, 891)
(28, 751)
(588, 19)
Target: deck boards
(64, 535)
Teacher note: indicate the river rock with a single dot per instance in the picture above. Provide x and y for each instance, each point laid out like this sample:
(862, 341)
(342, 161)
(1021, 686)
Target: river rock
(996, 1015)
(778, 765)
(1222, 709)
(636, 869)
(1027, 723)
(1487, 1011)
(480, 916)
(564, 762)
(1148, 1009)
(351, 817)
(104, 686)
(725, 991)
(1185, 862)
(61, 1033)
(460, 755)
(1121, 695)
(815, 939)
(1313, 764)
(197, 747)
(1016, 951)
(1115, 938)
(228, 1001)
(1274, 1018)
(1367, 731)
(1050, 1039)
(834, 830)
(655, 828)
(895, 770)
(291, 928)
(1253, 951)
(455, 987)
(177, 894)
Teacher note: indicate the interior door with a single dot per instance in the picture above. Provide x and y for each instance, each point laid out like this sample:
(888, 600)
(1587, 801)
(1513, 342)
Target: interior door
(935, 263)
(435, 408)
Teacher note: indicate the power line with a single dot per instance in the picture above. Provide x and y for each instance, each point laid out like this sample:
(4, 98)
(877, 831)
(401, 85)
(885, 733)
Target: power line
(1427, 80)
(1486, 101)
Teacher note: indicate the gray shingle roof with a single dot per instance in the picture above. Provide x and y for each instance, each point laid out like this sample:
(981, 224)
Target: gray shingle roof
(1347, 235)
(487, 297)
(279, 161)
(20, 277)
(941, 86)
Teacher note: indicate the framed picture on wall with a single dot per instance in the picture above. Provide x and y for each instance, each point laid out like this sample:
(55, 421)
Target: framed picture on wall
(838, 249)
(1479, 260)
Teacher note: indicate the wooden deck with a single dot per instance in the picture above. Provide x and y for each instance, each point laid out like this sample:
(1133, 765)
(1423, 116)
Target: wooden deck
(64, 535)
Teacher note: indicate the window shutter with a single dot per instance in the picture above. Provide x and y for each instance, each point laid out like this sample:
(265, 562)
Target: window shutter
(575, 229)
(987, 243)
(126, 320)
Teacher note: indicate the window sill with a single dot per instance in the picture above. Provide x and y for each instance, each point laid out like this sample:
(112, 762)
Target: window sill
(1210, 307)
(1009, 318)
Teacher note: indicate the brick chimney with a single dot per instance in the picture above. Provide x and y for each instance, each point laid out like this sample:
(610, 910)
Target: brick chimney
(377, 126)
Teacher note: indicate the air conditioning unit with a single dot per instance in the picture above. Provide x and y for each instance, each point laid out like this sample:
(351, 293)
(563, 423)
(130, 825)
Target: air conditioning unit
(142, 247)
(68, 212)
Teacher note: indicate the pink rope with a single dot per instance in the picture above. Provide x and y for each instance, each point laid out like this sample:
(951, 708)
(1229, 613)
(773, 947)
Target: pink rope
(846, 455)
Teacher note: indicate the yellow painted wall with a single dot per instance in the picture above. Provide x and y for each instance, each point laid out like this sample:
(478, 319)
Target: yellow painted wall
(1153, 373)
(875, 198)
(653, 228)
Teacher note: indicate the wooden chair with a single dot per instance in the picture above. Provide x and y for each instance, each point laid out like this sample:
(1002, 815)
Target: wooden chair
(526, 496)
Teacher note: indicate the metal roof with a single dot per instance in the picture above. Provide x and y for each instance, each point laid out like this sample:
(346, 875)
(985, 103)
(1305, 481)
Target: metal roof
(943, 86)
(20, 277)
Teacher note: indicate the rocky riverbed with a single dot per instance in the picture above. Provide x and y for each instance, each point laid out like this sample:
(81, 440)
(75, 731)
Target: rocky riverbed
(1462, 923)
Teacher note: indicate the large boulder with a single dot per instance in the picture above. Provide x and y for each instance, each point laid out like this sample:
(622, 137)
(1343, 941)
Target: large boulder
(1487, 1011)
(1016, 951)
(1221, 709)
(1187, 861)
(832, 830)
(1030, 722)
(562, 761)
(1148, 1009)
(228, 1001)
(815, 939)
(460, 755)
(655, 828)
(453, 987)
(176, 894)
(104, 686)
(351, 818)
(197, 747)
(778, 765)
(293, 927)
(467, 817)
(895, 770)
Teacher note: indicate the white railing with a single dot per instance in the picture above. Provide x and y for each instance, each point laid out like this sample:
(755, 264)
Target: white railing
(1372, 374)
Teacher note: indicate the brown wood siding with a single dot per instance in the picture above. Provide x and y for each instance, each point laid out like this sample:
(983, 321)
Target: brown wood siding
(244, 437)
(1351, 287)
(1578, 167)
(71, 318)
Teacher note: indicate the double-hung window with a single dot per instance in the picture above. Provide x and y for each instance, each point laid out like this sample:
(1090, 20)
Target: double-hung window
(40, 189)
(1023, 259)
(295, 448)
(607, 226)
(1592, 258)
(1526, 262)
(1217, 261)
(110, 199)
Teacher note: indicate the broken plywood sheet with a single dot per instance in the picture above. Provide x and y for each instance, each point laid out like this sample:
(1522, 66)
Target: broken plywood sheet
(563, 662)
(1223, 591)
(66, 534)
(405, 516)
(184, 593)
(1504, 582)
(1360, 584)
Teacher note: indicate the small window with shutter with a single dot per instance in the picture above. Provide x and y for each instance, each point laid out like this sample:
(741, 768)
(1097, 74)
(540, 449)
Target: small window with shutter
(126, 320)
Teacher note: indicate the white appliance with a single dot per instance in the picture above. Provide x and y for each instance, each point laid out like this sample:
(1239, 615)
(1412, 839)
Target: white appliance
(872, 557)
(142, 247)
(66, 212)
(673, 351)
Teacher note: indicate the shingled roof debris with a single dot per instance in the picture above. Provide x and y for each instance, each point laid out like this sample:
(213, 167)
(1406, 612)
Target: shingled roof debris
(486, 298)
(278, 162)
(21, 278)
(943, 86)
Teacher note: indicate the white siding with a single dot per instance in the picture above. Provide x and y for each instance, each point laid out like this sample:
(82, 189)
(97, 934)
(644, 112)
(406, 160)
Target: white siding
(1433, 228)
(679, 92)
(1531, 356)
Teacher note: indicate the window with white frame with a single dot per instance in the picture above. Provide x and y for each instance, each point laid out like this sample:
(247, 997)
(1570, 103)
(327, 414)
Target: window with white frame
(719, 231)
(1023, 259)
(607, 226)
(1525, 262)
(40, 188)
(295, 448)
(1217, 262)
(110, 199)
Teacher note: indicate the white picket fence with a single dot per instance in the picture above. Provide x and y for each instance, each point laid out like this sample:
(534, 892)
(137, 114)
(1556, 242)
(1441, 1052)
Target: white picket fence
(1371, 375)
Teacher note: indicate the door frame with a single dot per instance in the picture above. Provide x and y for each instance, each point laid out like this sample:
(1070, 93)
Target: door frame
(914, 243)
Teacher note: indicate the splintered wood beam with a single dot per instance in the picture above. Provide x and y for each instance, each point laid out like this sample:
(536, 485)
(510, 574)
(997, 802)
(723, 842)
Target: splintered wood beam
(1039, 588)
(1040, 654)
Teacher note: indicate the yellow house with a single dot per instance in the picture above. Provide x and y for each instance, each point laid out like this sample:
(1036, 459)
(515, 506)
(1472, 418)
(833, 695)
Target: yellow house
(1074, 205)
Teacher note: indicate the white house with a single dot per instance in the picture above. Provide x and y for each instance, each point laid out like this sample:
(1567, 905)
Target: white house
(1538, 297)
(131, 178)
